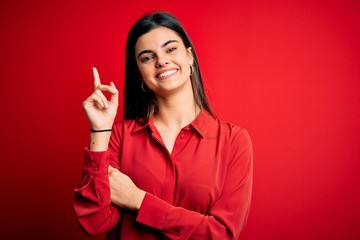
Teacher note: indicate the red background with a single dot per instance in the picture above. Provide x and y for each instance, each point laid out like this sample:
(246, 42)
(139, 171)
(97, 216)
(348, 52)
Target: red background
(288, 71)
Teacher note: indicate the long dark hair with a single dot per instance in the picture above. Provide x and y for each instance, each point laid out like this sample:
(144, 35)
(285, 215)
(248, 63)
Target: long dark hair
(142, 104)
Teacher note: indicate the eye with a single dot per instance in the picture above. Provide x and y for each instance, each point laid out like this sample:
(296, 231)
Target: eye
(146, 58)
(171, 49)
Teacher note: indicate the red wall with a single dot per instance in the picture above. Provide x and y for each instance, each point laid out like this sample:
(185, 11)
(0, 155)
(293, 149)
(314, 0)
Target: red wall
(288, 71)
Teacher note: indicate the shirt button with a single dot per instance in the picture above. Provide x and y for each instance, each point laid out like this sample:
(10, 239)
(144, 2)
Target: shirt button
(182, 136)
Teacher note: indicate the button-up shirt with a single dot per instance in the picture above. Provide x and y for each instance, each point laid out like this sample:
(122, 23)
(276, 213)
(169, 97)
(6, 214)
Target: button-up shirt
(201, 190)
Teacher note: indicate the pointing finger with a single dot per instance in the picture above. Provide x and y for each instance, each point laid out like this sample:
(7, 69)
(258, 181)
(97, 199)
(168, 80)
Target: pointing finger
(96, 77)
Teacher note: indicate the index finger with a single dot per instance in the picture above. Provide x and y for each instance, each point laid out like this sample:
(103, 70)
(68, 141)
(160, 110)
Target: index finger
(96, 77)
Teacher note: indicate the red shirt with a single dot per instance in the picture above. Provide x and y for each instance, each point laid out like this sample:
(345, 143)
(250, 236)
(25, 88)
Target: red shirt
(201, 190)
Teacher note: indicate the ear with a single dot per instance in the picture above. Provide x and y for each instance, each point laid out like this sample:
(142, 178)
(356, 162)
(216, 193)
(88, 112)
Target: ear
(190, 55)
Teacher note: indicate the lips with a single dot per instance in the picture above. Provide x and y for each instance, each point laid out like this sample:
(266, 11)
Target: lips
(167, 73)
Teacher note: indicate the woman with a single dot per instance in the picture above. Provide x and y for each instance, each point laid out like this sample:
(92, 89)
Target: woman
(170, 169)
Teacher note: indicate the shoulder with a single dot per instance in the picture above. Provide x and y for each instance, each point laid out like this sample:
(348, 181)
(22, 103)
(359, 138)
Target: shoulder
(239, 143)
(237, 137)
(129, 125)
(233, 130)
(124, 123)
(212, 126)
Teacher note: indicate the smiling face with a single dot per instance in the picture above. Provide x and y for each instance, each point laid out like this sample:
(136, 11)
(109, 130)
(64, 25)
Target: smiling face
(163, 61)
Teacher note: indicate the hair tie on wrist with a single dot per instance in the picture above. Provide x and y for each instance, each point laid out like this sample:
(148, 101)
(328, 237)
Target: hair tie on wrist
(102, 130)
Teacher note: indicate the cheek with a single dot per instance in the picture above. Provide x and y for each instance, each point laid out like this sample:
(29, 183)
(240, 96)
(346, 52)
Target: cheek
(179, 60)
(144, 70)
(185, 60)
(185, 65)
(186, 69)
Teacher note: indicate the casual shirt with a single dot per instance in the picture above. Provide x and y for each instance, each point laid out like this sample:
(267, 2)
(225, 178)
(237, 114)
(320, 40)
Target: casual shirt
(201, 190)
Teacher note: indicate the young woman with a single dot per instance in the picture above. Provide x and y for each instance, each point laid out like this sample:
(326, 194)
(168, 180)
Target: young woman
(170, 169)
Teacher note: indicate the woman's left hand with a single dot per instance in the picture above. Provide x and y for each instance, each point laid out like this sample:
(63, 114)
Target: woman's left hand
(124, 192)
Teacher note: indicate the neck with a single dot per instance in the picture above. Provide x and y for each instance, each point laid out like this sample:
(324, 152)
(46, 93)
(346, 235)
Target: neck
(176, 111)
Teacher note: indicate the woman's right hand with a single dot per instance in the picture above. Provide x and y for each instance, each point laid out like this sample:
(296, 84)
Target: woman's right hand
(100, 111)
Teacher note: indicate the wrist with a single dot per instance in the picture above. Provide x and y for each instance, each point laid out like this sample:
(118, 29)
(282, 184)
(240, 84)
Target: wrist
(141, 197)
(100, 130)
(99, 141)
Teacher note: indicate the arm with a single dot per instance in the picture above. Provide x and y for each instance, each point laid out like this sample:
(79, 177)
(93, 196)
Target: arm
(92, 203)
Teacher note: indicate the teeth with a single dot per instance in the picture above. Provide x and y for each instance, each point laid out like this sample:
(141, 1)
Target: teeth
(167, 73)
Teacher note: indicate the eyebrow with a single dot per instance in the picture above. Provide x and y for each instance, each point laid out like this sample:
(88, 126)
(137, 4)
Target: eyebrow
(163, 45)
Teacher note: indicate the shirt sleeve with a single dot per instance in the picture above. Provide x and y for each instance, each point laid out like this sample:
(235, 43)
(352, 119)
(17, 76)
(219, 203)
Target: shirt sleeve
(229, 213)
(92, 202)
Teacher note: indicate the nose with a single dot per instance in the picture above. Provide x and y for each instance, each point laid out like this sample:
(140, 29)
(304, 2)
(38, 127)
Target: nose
(161, 61)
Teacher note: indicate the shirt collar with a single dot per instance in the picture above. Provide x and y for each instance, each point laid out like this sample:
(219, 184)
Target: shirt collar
(140, 124)
(203, 123)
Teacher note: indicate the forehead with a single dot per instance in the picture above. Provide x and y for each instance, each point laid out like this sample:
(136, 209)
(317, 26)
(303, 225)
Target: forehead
(155, 38)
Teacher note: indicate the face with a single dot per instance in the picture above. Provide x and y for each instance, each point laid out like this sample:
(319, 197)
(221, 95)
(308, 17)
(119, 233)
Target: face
(163, 61)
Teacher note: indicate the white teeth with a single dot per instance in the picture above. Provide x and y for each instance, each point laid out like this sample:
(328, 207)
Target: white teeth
(167, 73)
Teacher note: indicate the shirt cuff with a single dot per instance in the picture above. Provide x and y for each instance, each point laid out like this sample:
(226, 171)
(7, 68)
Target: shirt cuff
(95, 162)
(149, 206)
